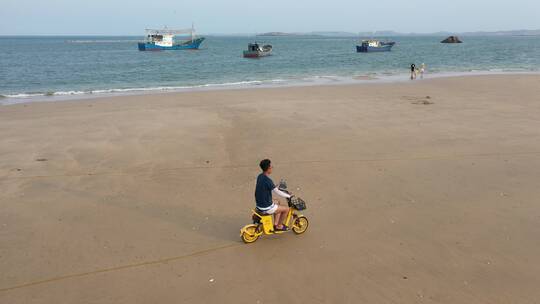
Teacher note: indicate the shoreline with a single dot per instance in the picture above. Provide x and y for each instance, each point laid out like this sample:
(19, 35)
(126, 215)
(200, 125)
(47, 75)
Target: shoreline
(329, 80)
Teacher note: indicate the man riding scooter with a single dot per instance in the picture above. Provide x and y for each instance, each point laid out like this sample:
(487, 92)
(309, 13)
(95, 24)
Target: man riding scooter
(263, 196)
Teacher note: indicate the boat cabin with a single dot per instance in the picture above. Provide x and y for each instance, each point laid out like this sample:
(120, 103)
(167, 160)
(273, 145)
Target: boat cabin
(161, 39)
(371, 43)
(254, 47)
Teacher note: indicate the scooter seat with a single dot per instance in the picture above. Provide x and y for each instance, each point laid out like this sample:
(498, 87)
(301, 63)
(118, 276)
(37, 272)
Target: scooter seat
(259, 215)
(260, 212)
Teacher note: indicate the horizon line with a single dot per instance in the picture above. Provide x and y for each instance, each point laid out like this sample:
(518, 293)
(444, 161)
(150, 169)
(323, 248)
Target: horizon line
(315, 32)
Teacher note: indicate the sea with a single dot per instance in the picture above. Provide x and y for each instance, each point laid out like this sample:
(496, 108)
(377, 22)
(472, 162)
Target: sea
(48, 68)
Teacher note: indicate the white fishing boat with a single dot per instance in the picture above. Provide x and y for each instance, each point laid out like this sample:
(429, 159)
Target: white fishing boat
(255, 50)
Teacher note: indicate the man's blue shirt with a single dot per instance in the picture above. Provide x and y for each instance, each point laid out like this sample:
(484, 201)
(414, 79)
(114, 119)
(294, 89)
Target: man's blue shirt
(263, 191)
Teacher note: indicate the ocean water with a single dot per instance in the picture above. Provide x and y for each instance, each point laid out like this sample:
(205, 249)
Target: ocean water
(41, 68)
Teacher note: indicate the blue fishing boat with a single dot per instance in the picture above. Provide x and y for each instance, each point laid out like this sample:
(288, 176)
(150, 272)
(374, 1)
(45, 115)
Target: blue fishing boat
(374, 46)
(160, 40)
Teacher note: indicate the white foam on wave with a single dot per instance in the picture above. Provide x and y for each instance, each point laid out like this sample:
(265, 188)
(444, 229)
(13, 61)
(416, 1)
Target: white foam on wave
(23, 95)
(30, 97)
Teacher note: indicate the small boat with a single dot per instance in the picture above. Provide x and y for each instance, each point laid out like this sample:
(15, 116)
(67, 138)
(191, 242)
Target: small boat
(255, 50)
(452, 39)
(374, 46)
(159, 40)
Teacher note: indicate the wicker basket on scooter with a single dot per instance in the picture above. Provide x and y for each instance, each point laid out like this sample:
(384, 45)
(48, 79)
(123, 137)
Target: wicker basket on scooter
(297, 203)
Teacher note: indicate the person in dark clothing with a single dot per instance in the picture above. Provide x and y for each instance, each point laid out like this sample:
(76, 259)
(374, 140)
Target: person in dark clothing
(413, 71)
(263, 196)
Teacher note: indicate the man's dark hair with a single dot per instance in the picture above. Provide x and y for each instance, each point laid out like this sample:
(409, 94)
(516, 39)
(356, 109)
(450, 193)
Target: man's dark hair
(265, 164)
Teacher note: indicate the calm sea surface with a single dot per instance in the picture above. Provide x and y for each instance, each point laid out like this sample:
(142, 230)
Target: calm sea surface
(33, 67)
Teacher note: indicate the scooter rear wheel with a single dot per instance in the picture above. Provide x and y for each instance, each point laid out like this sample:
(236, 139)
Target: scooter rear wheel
(300, 225)
(250, 235)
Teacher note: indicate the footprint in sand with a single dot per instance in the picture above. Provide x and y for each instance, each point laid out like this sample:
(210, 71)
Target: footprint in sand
(418, 100)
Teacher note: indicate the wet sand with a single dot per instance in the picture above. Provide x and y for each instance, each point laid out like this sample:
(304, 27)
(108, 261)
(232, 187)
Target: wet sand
(139, 199)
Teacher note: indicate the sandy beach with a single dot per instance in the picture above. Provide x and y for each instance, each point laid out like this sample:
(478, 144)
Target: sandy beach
(417, 192)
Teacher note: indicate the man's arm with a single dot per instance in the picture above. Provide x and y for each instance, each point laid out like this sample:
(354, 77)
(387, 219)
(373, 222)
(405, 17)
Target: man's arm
(278, 192)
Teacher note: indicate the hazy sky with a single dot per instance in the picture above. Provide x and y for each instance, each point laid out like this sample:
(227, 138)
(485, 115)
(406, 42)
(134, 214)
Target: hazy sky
(118, 17)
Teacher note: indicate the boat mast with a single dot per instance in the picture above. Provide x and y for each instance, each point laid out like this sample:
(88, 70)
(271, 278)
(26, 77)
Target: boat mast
(192, 30)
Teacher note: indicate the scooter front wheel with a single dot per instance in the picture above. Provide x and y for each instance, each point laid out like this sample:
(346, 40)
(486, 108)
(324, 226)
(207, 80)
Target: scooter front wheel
(249, 234)
(300, 225)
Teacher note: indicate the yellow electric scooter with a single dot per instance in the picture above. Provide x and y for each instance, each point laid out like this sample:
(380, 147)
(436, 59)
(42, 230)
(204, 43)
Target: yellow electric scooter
(264, 223)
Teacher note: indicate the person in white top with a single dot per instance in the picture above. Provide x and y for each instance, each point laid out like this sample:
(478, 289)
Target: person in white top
(422, 70)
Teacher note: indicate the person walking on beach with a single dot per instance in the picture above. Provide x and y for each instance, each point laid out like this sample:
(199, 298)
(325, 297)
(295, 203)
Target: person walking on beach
(263, 196)
(413, 71)
(422, 70)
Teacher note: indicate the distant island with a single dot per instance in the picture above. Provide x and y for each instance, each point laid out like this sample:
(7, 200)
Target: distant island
(396, 34)
(478, 33)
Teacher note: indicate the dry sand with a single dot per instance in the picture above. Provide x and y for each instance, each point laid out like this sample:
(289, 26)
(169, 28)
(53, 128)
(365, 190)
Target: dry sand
(139, 199)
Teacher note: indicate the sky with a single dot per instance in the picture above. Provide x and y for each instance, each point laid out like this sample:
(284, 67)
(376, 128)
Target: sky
(131, 17)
